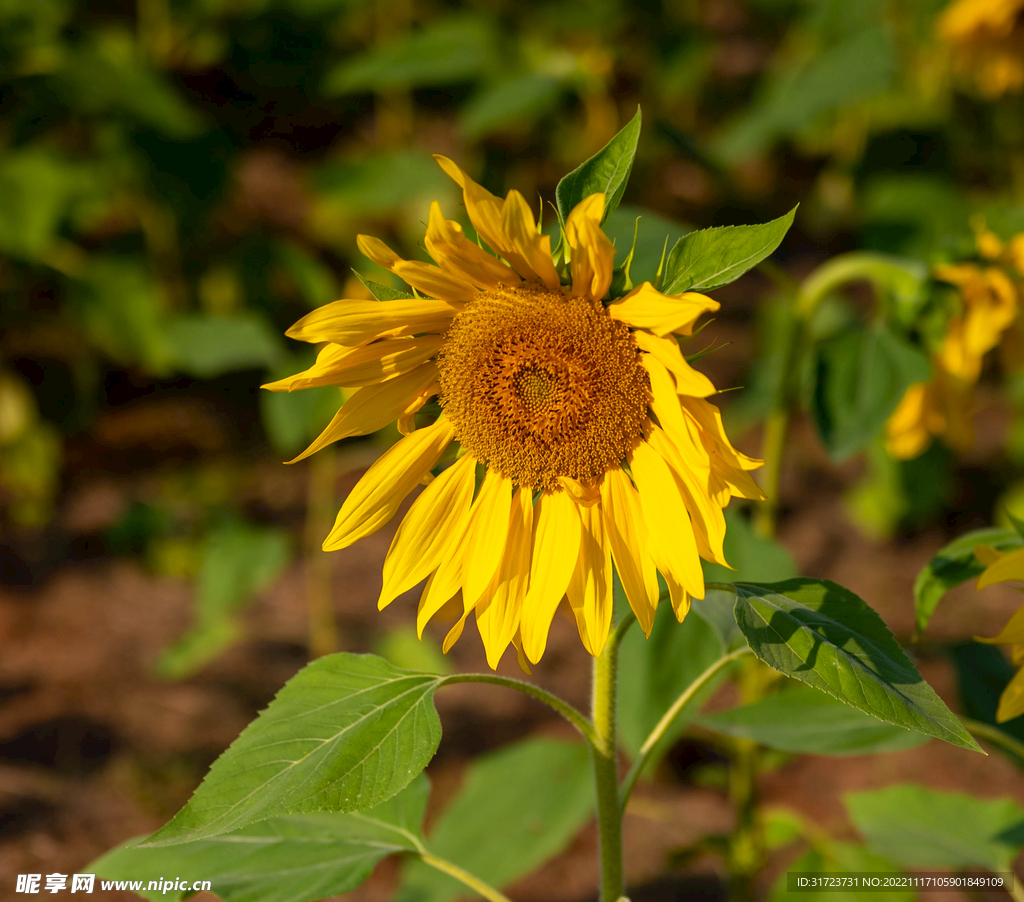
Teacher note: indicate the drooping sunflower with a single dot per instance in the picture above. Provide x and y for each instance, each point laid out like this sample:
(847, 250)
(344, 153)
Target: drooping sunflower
(986, 41)
(585, 437)
(991, 297)
(1000, 567)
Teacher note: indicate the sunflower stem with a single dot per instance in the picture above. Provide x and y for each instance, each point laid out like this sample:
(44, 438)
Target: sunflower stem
(464, 877)
(578, 720)
(606, 775)
(666, 721)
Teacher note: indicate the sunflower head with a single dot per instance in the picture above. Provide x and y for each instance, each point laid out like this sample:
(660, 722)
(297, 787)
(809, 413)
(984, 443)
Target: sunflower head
(585, 442)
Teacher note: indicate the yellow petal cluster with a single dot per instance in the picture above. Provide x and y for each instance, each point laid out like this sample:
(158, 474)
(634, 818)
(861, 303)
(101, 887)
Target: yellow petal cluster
(639, 485)
(991, 293)
(1001, 567)
(986, 42)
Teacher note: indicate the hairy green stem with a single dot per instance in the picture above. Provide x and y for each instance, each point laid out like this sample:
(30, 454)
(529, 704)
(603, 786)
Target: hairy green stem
(996, 736)
(606, 776)
(567, 711)
(464, 877)
(666, 721)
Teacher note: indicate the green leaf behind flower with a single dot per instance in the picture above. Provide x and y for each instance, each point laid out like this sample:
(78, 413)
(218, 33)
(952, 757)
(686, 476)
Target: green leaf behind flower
(345, 734)
(517, 807)
(860, 377)
(954, 564)
(605, 172)
(711, 258)
(826, 636)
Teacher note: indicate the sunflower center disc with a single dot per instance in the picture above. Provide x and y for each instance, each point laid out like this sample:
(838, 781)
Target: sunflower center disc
(540, 385)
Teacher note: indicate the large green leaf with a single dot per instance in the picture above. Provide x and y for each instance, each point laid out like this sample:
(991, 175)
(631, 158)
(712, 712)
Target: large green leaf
(517, 808)
(605, 172)
(654, 672)
(344, 734)
(453, 49)
(806, 720)
(920, 827)
(860, 378)
(826, 636)
(294, 858)
(710, 258)
(953, 564)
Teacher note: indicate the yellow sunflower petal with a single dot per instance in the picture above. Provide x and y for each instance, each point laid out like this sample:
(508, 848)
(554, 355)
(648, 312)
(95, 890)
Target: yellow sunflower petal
(583, 495)
(365, 365)
(590, 588)
(705, 515)
(669, 530)
(454, 252)
(427, 279)
(1009, 566)
(688, 381)
(556, 547)
(524, 664)
(986, 554)
(1011, 702)
(353, 322)
(374, 406)
(485, 540)
(484, 208)
(624, 525)
(592, 253)
(646, 308)
(376, 497)
(531, 247)
(444, 583)
(498, 612)
(424, 537)
(1011, 634)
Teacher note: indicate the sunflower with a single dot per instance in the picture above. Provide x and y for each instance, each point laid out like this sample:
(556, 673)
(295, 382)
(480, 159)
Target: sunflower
(990, 294)
(986, 40)
(585, 437)
(1000, 567)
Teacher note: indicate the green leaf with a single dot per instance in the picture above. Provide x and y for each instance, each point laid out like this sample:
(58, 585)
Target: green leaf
(754, 557)
(806, 720)
(345, 734)
(286, 859)
(861, 376)
(953, 564)
(920, 827)
(381, 292)
(710, 258)
(36, 190)
(239, 561)
(605, 172)
(517, 808)
(653, 672)
(826, 636)
(522, 99)
(982, 674)
(210, 346)
(841, 858)
(446, 51)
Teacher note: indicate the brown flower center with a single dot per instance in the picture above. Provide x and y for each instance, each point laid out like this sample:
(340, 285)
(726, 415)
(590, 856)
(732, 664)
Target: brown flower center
(540, 385)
